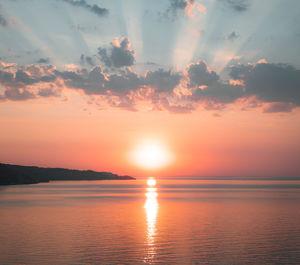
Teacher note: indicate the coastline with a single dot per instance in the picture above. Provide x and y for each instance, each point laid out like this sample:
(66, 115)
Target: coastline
(19, 175)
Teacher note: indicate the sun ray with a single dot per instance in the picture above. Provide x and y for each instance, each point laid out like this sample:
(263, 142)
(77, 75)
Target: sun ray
(187, 41)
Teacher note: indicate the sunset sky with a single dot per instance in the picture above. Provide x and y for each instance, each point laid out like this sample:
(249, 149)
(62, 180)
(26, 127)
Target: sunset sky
(213, 84)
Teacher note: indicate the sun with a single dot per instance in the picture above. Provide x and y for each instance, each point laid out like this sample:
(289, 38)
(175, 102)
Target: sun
(151, 155)
(151, 182)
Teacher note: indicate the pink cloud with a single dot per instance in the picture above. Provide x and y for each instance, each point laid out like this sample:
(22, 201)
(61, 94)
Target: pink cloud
(276, 107)
(193, 7)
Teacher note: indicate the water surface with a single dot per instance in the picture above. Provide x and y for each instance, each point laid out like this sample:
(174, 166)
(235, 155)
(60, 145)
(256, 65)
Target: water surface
(121, 222)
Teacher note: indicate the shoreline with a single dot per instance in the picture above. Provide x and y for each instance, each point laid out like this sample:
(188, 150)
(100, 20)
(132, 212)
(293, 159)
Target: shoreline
(21, 175)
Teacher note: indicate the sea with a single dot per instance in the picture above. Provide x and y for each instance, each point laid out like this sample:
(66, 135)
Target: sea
(177, 221)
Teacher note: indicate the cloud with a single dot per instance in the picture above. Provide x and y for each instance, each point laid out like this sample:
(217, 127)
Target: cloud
(125, 87)
(151, 63)
(125, 102)
(91, 82)
(269, 82)
(48, 92)
(6, 76)
(96, 82)
(278, 107)
(272, 88)
(27, 78)
(3, 21)
(232, 36)
(207, 88)
(176, 108)
(176, 5)
(93, 8)
(17, 94)
(86, 59)
(237, 5)
(188, 6)
(200, 75)
(24, 83)
(118, 55)
(43, 60)
(218, 92)
(122, 90)
(124, 83)
(89, 60)
(162, 81)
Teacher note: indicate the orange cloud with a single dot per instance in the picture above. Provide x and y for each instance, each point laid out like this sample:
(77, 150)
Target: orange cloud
(192, 7)
(236, 82)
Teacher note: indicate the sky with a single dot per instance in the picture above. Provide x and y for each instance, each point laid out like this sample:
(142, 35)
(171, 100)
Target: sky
(214, 83)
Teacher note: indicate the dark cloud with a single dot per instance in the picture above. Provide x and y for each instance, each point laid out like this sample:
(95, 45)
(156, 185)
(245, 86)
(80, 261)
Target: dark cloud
(24, 78)
(151, 63)
(124, 83)
(104, 56)
(89, 60)
(118, 55)
(279, 107)
(237, 5)
(48, 92)
(200, 75)
(3, 21)
(232, 36)
(6, 77)
(27, 83)
(125, 103)
(176, 108)
(18, 94)
(218, 92)
(82, 58)
(117, 88)
(90, 82)
(96, 82)
(126, 86)
(207, 87)
(175, 6)
(86, 60)
(271, 88)
(162, 81)
(93, 8)
(43, 60)
(269, 82)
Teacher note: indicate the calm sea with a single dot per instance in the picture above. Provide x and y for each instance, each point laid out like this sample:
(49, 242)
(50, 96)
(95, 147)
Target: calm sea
(121, 222)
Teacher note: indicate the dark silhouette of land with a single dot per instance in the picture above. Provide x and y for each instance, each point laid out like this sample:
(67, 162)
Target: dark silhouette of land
(14, 174)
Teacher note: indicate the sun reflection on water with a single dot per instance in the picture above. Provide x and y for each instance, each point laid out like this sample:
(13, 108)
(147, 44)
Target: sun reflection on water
(151, 208)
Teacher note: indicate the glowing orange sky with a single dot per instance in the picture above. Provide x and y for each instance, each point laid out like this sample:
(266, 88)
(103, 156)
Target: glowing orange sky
(82, 83)
(240, 143)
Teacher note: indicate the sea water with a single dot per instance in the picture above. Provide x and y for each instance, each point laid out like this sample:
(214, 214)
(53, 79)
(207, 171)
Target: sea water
(180, 221)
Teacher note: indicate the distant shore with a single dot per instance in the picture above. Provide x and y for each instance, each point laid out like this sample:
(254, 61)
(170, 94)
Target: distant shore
(16, 175)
